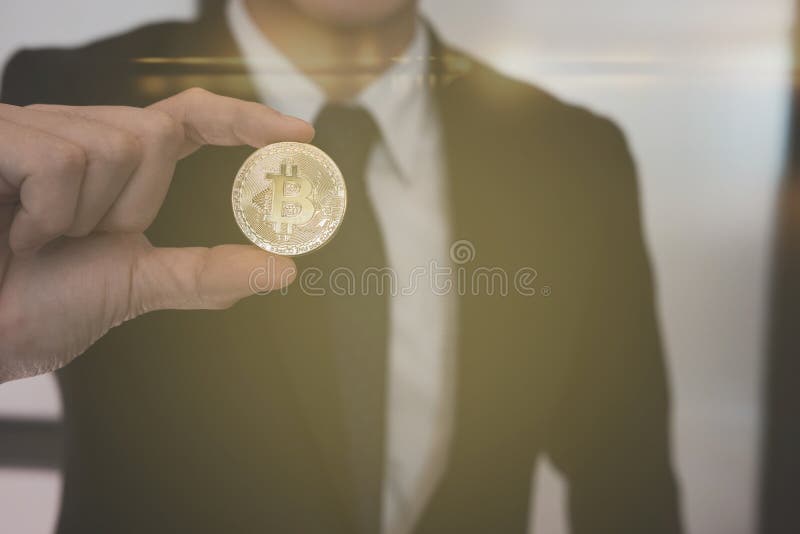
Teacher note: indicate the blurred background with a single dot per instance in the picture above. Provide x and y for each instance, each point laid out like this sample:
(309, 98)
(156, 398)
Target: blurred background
(702, 89)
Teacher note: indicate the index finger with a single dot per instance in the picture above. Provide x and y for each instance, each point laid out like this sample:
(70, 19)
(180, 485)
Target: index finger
(210, 119)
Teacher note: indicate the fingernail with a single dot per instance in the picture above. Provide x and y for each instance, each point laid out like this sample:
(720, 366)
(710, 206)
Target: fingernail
(293, 118)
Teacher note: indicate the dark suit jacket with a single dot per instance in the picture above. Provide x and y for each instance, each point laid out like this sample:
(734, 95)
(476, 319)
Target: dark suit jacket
(781, 464)
(210, 422)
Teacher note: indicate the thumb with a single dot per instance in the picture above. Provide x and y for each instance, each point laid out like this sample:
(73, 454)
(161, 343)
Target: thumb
(205, 278)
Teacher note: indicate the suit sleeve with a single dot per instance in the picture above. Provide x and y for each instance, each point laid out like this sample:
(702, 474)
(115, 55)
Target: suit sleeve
(611, 435)
(23, 80)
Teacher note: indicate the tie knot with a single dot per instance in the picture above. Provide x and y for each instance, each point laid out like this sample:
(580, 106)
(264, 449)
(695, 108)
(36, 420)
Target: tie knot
(342, 129)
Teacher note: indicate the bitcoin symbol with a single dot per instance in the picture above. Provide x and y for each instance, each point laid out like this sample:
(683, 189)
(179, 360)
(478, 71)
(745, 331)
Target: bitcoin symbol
(291, 204)
(308, 190)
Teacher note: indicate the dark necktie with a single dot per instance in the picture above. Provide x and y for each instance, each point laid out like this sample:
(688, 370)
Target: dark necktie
(357, 324)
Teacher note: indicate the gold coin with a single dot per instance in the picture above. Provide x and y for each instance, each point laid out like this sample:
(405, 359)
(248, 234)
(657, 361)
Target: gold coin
(289, 198)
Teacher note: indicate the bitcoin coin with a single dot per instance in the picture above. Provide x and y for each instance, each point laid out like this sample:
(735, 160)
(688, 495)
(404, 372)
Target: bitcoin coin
(289, 198)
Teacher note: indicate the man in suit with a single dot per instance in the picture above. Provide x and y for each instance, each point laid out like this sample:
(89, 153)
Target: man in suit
(372, 411)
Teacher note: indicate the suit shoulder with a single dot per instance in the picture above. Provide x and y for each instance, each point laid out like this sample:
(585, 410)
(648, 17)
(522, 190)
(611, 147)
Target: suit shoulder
(581, 150)
(49, 75)
(536, 103)
(523, 103)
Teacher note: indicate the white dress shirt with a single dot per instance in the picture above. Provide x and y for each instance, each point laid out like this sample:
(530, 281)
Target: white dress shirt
(406, 183)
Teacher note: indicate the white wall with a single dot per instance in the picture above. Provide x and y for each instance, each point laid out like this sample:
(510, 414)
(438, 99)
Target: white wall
(700, 87)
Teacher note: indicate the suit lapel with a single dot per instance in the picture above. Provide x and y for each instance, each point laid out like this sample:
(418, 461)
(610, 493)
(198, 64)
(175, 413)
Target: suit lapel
(501, 393)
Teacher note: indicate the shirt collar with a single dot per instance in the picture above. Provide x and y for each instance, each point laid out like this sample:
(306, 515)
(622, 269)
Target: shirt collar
(399, 99)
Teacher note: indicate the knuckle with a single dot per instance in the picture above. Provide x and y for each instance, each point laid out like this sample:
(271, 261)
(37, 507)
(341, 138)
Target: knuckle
(65, 159)
(160, 127)
(195, 93)
(51, 222)
(60, 171)
(122, 147)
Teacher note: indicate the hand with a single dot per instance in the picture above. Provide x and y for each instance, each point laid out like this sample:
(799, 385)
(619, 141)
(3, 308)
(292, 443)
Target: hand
(78, 187)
